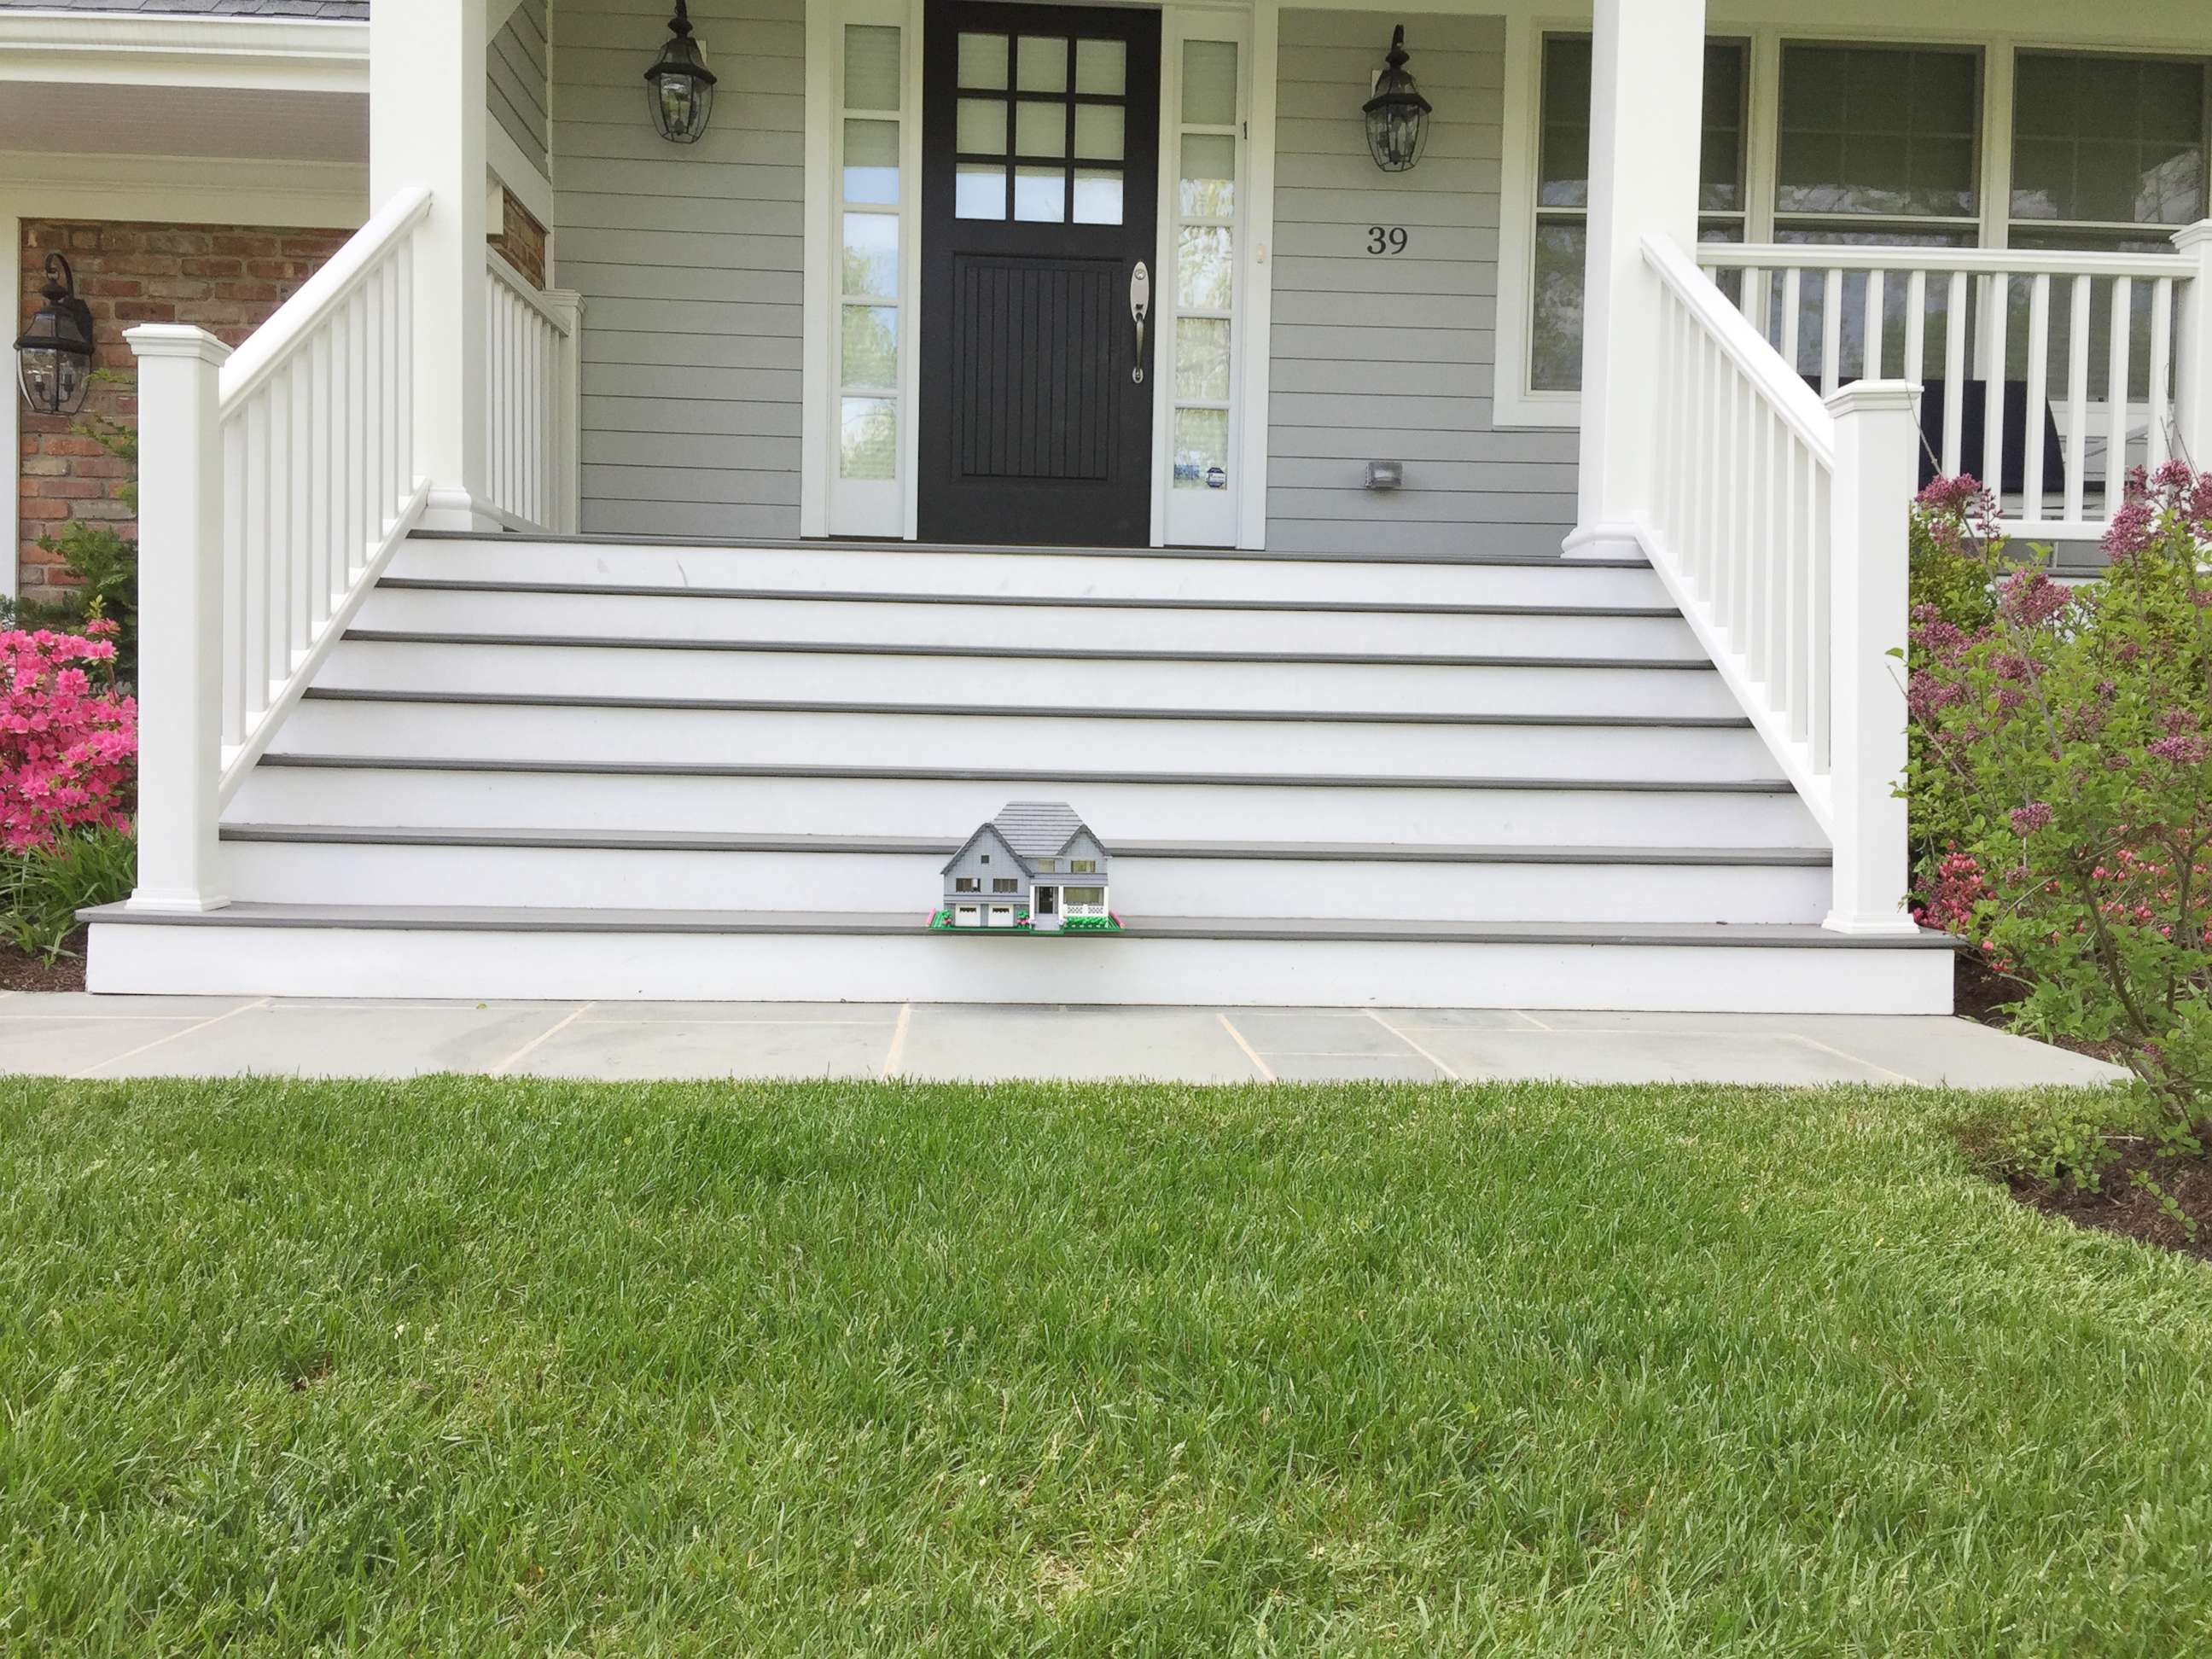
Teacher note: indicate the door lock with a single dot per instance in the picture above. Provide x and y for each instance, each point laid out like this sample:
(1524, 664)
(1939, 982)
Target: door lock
(1141, 305)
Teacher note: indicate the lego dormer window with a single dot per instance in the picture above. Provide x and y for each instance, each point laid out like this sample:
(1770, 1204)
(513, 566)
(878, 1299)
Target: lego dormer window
(1083, 867)
(1005, 884)
(967, 883)
(1048, 867)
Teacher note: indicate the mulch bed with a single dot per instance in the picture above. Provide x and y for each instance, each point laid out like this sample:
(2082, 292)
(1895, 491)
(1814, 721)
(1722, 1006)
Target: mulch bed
(2120, 1206)
(20, 971)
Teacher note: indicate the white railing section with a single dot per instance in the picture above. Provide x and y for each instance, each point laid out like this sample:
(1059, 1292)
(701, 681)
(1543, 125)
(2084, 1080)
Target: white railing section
(2086, 342)
(275, 485)
(1778, 524)
(530, 393)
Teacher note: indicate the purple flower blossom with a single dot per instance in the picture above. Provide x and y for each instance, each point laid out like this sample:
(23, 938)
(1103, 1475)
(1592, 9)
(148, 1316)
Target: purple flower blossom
(2032, 598)
(2182, 751)
(2026, 820)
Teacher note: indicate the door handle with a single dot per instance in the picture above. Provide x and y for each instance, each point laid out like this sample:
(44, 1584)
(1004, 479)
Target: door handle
(1141, 305)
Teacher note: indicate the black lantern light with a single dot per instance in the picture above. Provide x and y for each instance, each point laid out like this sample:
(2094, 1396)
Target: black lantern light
(679, 85)
(54, 358)
(1397, 115)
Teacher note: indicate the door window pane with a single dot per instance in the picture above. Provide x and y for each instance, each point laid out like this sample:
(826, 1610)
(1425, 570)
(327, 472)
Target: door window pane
(1202, 359)
(1201, 444)
(1043, 65)
(871, 67)
(870, 248)
(981, 127)
(979, 192)
(1209, 83)
(1878, 130)
(1101, 66)
(2110, 139)
(1098, 131)
(868, 440)
(983, 62)
(1203, 272)
(1209, 176)
(1097, 196)
(1041, 195)
(871, 162)
(1041, 129)
(871, 346)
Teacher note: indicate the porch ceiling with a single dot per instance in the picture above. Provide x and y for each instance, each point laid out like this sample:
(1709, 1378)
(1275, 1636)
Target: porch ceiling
(224, 121)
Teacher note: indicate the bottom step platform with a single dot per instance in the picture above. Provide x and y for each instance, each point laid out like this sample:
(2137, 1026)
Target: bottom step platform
(477, 953)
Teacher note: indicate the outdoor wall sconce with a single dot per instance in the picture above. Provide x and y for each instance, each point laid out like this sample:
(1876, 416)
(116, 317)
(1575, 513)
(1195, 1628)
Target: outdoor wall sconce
(1397, 115)
(53, 357)
(679, 85)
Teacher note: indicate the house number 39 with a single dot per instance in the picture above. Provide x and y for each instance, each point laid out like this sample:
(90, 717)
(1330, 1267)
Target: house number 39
(1386, 239)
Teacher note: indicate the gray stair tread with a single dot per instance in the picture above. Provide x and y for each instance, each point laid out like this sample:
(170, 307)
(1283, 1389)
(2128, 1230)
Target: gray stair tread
(1022, 711)
(703, 841)
(1027, 652)
(1020, 774)
(1017, 601)
(476, 918)
(772, 545)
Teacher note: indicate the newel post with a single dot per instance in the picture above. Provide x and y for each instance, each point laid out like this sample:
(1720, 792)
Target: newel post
(1877, 457)
(2193, 358)
(180, 611)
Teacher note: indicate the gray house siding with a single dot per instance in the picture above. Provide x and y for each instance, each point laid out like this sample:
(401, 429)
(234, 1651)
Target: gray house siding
(515, 73)
(689, 261)
(1391, 356)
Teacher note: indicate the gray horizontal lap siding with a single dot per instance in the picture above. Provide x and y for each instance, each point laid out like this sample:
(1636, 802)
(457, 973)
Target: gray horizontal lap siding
(1389, 357)
(689, 259)
(514, 75)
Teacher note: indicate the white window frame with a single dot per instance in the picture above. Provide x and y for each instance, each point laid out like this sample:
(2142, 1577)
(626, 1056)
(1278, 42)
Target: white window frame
(1514, 403)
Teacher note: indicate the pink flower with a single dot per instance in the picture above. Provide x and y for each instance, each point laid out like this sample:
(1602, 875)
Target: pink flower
(2026, 820)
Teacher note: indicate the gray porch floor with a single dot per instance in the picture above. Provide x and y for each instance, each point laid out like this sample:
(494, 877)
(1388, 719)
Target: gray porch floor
(217, 1036)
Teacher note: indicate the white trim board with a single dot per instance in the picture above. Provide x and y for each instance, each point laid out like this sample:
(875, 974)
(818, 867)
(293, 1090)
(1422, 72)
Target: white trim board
(136, 49)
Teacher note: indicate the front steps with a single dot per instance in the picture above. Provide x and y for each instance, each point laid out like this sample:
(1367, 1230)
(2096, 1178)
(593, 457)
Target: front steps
(597, 768)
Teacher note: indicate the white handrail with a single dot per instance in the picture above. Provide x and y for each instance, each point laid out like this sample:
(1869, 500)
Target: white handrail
(531, 394)
(2089, 397)
(1778, 524)
(274, 489)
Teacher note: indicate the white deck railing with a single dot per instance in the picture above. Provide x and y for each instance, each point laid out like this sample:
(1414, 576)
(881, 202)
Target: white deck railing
(529, 400)
(2089, 339)
(1778, 522)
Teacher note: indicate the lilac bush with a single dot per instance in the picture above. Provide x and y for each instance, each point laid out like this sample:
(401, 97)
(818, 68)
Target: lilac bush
(2062, 775)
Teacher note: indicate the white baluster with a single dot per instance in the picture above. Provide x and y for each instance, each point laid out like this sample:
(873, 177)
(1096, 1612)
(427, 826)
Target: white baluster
(1996, 302)
(2116, 393)
(2038, 371)
(2159, 450)
(2077, 401)
(1831, 330)
(1870, 354)
(1954, 373)
(1793, 319)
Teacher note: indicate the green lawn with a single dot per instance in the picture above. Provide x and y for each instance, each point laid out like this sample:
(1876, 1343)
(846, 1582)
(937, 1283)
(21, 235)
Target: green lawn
(477, 1367)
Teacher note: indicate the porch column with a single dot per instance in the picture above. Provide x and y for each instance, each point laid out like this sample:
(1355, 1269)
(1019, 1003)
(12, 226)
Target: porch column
(426, 126)
(1647, 93)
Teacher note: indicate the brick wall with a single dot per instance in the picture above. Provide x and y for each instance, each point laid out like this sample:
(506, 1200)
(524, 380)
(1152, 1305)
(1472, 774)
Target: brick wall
(521, 240)
(227, 279)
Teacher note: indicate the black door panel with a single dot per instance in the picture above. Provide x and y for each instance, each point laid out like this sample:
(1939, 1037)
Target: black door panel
(1040, 187)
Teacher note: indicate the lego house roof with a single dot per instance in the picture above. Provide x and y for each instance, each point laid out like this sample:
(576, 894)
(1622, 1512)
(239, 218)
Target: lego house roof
(1039, 828)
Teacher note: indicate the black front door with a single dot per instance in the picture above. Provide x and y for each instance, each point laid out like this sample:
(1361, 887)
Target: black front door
(1040, 183)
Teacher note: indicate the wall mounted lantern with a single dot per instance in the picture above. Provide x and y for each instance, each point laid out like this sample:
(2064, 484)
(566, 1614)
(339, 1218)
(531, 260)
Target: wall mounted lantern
(679, 85)
(1397, 115)
(53, 357)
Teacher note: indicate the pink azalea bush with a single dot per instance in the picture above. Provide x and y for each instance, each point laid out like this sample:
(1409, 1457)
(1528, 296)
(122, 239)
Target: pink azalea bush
(2062, 775)
(69, 740)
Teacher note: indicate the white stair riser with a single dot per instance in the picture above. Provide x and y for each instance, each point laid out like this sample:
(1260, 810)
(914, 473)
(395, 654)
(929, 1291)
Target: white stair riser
(951, 809)
(580, 670)
(628, 617)
(508, 731)
(830, 568)
(937, 968)
(311, 874)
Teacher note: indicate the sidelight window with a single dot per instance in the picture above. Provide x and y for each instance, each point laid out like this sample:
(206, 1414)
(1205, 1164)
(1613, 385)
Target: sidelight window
(1041, 129)
(1205, 214)
(870, 190)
